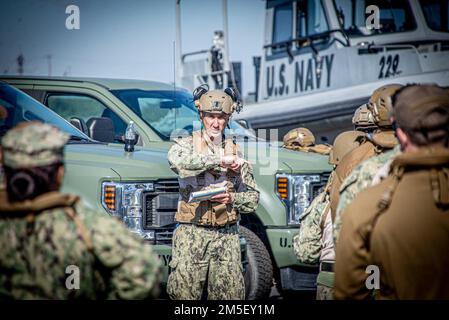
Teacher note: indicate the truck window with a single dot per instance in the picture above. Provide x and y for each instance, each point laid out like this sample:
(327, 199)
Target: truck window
(17, 107)
(84, 107)
(166, 119)
(394, 16)
(165, 112)
(436, 13)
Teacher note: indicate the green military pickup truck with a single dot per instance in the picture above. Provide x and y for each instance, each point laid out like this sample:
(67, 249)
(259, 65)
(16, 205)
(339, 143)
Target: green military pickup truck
(287, 180)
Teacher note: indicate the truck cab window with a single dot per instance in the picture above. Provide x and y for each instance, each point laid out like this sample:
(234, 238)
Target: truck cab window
(84, 107)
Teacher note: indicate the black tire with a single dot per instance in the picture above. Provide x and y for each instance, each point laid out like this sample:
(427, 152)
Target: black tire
(259, 270)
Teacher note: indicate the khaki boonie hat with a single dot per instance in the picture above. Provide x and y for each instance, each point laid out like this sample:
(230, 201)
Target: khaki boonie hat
(33, 144)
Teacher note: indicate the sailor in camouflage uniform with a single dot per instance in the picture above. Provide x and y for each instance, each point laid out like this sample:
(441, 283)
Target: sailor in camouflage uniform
(315, 241)
(48, 238)
(314, 244)
(206, 257)
(363, 175)
(379, 138)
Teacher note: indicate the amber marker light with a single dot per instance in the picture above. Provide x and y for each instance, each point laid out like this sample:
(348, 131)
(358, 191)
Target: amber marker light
(282, 187)
(109, 197)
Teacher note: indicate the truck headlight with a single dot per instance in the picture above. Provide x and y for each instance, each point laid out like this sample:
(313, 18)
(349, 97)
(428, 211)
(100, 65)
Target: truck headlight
(297, 192)
(124, 200)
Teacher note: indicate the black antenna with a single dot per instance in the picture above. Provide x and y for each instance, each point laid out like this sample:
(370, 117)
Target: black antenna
(174, 68)
(174, 79)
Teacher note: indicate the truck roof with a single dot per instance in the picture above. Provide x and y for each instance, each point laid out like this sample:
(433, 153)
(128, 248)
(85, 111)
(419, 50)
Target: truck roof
(108, 83)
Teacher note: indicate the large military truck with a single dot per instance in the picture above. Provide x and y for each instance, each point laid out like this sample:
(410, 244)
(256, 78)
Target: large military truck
(287, 180)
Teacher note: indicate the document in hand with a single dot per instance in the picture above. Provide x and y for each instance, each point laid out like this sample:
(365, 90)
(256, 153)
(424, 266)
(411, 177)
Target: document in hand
(206, 194)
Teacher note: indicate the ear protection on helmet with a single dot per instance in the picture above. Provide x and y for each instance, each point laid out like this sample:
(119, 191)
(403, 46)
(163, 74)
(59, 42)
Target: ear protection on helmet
(199, 91)
(233, 94)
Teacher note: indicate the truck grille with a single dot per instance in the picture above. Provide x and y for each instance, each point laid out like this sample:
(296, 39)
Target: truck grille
(170, 185)
(318, 187)
(159, 209)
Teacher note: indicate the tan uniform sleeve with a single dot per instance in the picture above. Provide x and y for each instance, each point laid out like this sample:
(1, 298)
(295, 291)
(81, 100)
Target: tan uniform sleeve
(351, 258)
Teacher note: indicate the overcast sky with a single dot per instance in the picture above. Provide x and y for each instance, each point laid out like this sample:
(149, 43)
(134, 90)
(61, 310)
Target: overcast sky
(123, 39)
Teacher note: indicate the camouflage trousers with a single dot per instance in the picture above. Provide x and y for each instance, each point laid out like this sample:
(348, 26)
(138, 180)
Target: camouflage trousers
(206, 261)
(325, 285)
(324, 292)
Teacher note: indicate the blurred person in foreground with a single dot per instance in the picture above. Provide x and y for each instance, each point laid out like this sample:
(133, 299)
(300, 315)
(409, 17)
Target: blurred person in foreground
(53, 247)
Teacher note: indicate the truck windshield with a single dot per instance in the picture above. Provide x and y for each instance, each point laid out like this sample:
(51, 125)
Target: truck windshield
(436, 13)
(169, 112)
(17, 107)
(394, 16)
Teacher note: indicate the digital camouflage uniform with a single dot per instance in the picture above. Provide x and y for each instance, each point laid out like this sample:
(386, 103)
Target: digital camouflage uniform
(309, 244)
(360, 178)
(43, 238)
(206, 256)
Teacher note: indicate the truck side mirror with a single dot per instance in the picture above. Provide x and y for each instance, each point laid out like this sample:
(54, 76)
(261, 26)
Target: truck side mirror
(101, 129)
(243, 123)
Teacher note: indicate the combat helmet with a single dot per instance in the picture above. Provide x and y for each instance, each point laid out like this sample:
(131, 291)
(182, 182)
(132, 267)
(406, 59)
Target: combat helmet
(301, 137)
(344, 143)
(216, 101)
(363, 118)
(380, 104)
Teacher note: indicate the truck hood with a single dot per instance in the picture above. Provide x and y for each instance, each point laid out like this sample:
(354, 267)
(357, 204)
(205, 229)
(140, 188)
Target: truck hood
(300, 162)
(263, 157)
(142, 163)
